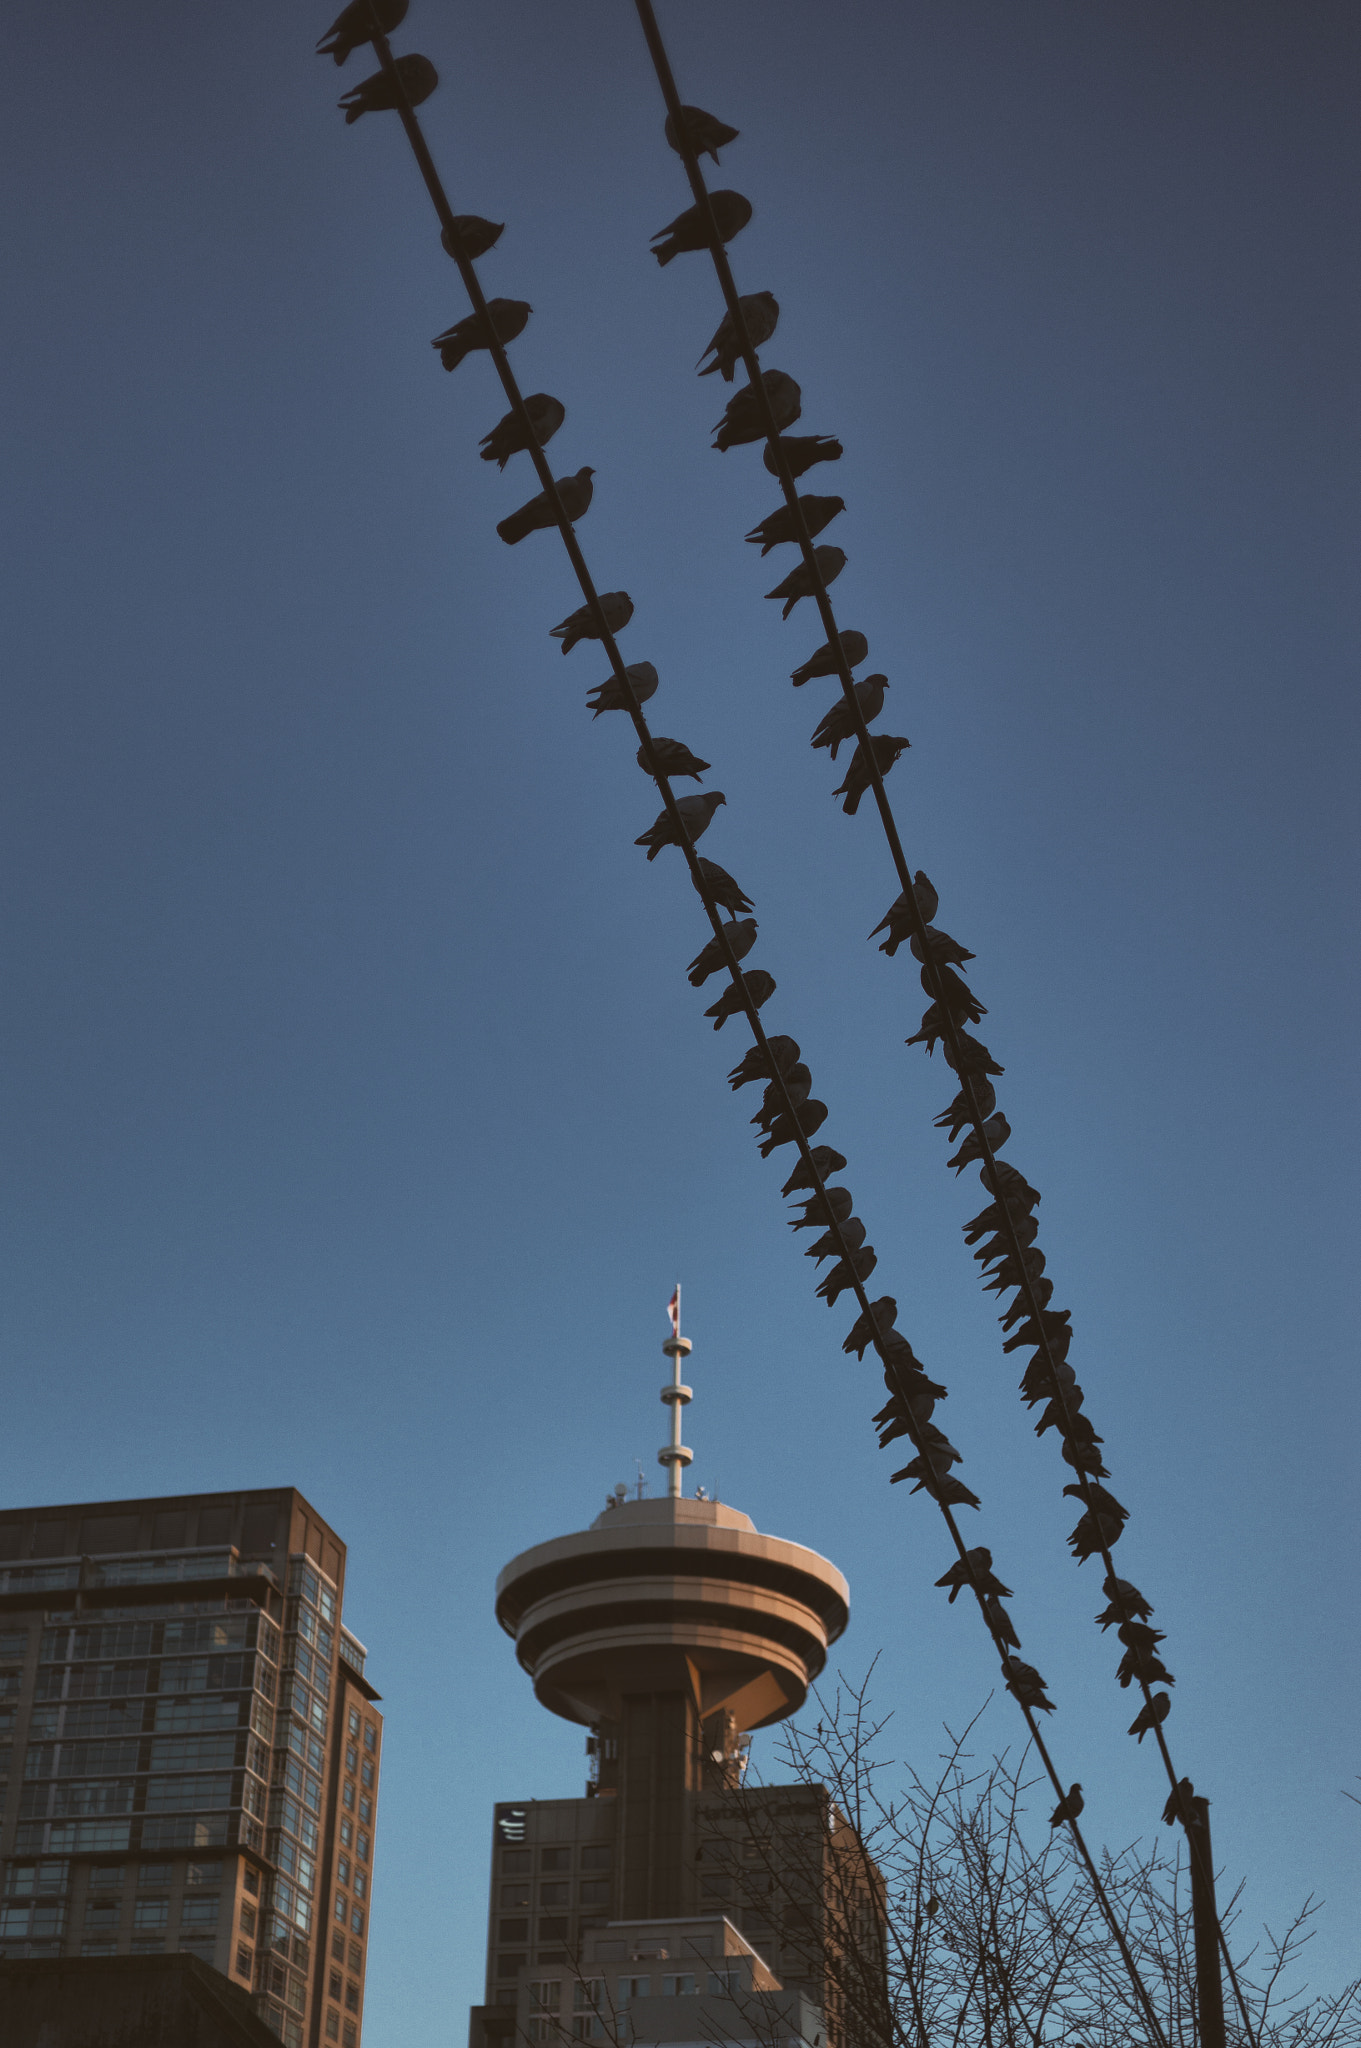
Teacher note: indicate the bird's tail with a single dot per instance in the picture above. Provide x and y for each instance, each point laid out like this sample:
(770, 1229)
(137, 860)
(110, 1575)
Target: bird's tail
(852, 803)
(513, 527)
(665, 253)
(352, 114)
(451, 353)
(789, 602)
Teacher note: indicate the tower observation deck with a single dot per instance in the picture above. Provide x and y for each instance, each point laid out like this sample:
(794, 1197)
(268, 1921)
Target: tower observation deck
(669, 1627)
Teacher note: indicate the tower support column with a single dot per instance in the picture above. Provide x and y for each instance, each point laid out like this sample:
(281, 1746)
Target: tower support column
(659, 1767)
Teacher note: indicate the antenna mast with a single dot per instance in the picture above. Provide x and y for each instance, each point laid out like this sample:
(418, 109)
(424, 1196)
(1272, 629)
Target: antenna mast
(676, 1395)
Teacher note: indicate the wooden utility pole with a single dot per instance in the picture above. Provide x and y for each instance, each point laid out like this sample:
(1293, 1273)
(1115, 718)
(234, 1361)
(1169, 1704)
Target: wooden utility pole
(1205, 1920)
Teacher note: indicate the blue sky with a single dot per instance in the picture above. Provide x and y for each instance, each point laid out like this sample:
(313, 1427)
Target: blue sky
(358, 1113)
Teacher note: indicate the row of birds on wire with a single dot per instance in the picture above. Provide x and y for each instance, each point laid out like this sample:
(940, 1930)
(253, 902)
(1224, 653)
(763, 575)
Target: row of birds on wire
(789, 1113)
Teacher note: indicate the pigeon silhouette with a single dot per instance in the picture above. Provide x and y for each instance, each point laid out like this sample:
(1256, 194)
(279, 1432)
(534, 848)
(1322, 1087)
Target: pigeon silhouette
(956, 994)
(1068, 1808)
(690, 230)
(760, 314)
(996, 1130)
(897, 922)
(853, 646)
(722, 888)
(1126, 1602)
(744, 419)
(879, 1320)
(471, 236)
(673, 759)
(1025, 1684)
(945, 1488)
(508, 317)
(825, 1159)
(1093, 1534)
(787, 1130)
(846, 1272)
(885, 749)
(610, 696)
(357, 24)
(800, 451)
(839, 725)
(828, 563)
(1179, 1805)
(759, 1063)
(508, 437)
(819, 1210)
(957, 1118)
(704, 133)
(980, 1561)
(852, 1235)
(696, 814)
(1151, 1715)
(778, 527)
(795, 1085)
(758, 985)
(741, 937)
(617, 607)
(947, 952)
(383, 95)
(575, 494)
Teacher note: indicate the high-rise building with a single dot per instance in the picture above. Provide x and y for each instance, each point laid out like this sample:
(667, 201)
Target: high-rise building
(674, 1902)
(189, 1748)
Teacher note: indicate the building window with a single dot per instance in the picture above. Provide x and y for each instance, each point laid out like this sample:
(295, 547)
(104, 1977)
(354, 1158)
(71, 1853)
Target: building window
(361, 1885)
(586, 2027)
(506, 1966)
(151, 1913)
(356, 1957)
(595, 1891)
(297, 1994)
(247, 1918)
(351, 2034)
(633, 1987)
(348, 1794)
(332, 2026)
(342, 1906)
(515, 1895)
(514, 1862)
(245, 1961)
(292, 2032)
(588, 1995)
(351, 1757)
(678, 1987)
(252, 1878)
(370, 1736)
(366, 1814)
(545, 1993)
(338, 1945)
(555, 1859)
(723, 1983)
(539, 2030)
(596, 1856)
(553, 1929)
(366, 1775)
(555, 1894)
(353, 1722)
(347, 1832)
(363, 1848)
(154, 1874)
(343, 1869)
(200, 1911)
(512, 1930)
(352, 1998)
(357, 1920)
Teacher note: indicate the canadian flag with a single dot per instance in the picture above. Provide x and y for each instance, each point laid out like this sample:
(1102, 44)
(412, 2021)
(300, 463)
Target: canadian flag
(673, 1310)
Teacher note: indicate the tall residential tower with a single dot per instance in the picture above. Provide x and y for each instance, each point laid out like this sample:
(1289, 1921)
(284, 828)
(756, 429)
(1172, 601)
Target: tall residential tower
(189, 1748)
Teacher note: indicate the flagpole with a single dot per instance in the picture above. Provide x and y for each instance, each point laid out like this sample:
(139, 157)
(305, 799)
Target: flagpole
(676, 1395)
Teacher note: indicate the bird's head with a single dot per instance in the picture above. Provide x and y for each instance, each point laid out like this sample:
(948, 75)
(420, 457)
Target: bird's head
(715, 798)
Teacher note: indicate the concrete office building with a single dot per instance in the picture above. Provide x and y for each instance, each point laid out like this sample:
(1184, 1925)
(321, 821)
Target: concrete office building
(672, 1903)
(189, 1750)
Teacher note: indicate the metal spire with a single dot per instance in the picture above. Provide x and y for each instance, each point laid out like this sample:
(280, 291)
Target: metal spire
(674, 1455)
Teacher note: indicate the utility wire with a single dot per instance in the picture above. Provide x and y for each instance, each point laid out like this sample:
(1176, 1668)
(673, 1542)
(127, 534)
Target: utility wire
(931, 966)
(452, 243)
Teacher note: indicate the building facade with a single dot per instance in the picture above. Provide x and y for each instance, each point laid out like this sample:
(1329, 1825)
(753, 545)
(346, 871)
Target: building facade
(189, 1748)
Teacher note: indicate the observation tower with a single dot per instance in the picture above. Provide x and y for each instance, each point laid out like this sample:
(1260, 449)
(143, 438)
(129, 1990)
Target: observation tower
(668, 1628)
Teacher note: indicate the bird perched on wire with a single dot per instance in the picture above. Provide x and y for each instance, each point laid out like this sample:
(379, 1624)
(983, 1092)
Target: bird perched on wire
(852, 647)
(786, 1129)
(828, 563)
(968, 1056)
(380, 94)
(617, 607)
(722, 888)
(673, 758)
(801, 451)
(744, 420)
(778, 526)
(950, 1491)
(885, 750)
(978, 1561)
(1001, 1623)
(1025, 1229)
(1151, 1715)
(996, 1130)
(1068, 1808)
(1145, 1666)
(357, 24)
(1025, 1684)
(839, 725)
(897, 921)
(1041, 1382)
(1064, 1416)
(852, 1235)
(1097, 1498)
(1095, 1533)
(1179, 1805)
(760, 315)
(754, 1065)
(1082, 1453)
(574, 494)
(696, 816)
(610, 696)
(1126, 1602)
(508, 437)
(910, 1406)
(1014, 1272)
(1019, 1200)
(797, 1086)
(947, 952)
(689, 231)
(759, 987)
(825, 1158)
(954, 992)
(957, 1118)
(705, 133)
(846, 1272)
(471, 236)
(819, 1210)
(1052, 1329)
(508, 317)
(741, 936)
(879, 1320)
